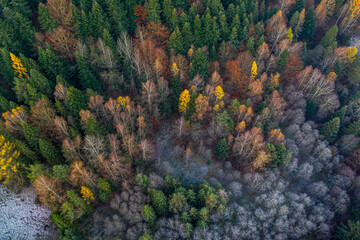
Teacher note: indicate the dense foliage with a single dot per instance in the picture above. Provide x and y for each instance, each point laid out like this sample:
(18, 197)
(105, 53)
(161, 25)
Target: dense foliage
(196, 119)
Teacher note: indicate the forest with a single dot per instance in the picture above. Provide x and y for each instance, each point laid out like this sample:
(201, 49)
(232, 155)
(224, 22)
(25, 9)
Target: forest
(181, 119)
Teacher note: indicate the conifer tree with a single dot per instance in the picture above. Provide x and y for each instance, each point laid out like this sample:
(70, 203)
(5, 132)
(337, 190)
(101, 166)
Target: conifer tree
(98, 20)
(224, 28)
(41, 83)
(199, 64)
(175, 88)
(52, 64)
(87, 78)
(32, 135)
(117, 15)
(308, 31)
(222, 149)
(149, 214)
(45, 20)
(207, 28)
(329, 38)
(159, 201)
(330, 129)
(282, 61)
(167, 11)
(75, 101)
(341, 113)
(49, 152)
(174, 22)
(233, 38)
(154, 10)
(198, 32)
(354, 128)
(176, 42)
(187, 35)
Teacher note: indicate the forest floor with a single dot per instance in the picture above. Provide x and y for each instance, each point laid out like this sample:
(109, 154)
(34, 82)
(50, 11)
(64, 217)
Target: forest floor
(21, 218)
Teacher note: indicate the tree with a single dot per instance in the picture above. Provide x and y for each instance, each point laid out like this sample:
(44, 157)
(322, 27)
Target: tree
(32, 135)
(321, 13)
(354, 128)
(177, 202)
(75, 101)
(45, 20)
(329, 39)
(283, 61)
(198, 32)
(49, 152)
(87, 78)
(61, 172)
(176, 42)
(202, 106)
(154, 10)
(254, 69)
(104, 190)
(159, 201)
(330, 129)
(308, 31)
(149, 214)
(184, 99)
(87, 194)
(199, 64)
(48, 189)
(222, 149)
(9, 165)
(99, 20)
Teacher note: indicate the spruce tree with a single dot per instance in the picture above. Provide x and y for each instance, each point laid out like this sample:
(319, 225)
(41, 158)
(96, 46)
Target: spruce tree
(98, 20)
(174, 22)
(207, 25)
(49, 152)
(176, 42)
(187, 35)
(222, 149)
(354, 128)
(224, 28)
(75, 101)
(199, 64)
(45, 20)
(41, 83)
(52, 64)
(167, 11)
(341, 113)
(283, 61)
(176, 89)
(198, 32)
(330, 37)
(159, 201)
(117, 15)
(154, 10)
(308, 31)
(87, 78)
(330, 129)
(32, 135)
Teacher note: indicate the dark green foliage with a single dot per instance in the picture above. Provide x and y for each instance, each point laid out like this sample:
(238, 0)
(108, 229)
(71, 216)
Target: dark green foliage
(61, 172)
(176, 42)
(330, 37)
(25, 150)
(222, 149)
(117, 14)
(330, 129)
(350, 231)
(278, 153)
(191, 106)
(282, 61)
(159, 202)
(104, 190)
(98, 21)
(225, 120)
(142, 180)
(46, 22)
(353, 128)
(35, 170)
(87, 78)
(311, 109)
(32, 135)
(177, 202)
(48, 151)
(154, 10)
(171, 184)
(92, 127)
(75, 102)
(341, 113)
(145, 236)
(308, 31)
(176, 89)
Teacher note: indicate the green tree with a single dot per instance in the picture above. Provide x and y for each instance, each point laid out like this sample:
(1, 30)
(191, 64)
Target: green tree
(167, 11)
(75, 101)
(233, 38)
(154, 10)
(174, 22)
(49, 152)
(45, 20)
(283, 61)
(225, 120)
(198, 32)
(61, 172)
(176, 89)
(52, 64)
(341, 113)
(330, 129)
(224, 28)
(350, 231)
(176, 42)
(329, 38)
(308, 31)
(199, 64)
(149, 214)
(118, 15)
(31, 134)
(142, 180)
(354, 128)
(207, 29)
(187, 35)
(87, 78)
(222, 149)
(177, 203)
(98, 21)
(104, 190)
(250, 45)
(191, 106)
(159, 201)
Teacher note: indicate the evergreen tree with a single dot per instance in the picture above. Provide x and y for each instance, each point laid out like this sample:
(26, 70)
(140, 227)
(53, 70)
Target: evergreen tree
(191, 106)
(52, 64)
(48, 151)
(308, 31)
(174, 22)
(282, 61)
(233, 38)
(154, 10)
(159, 201)
(98, 20)
(41, 83)
(199, 64)
(341, 113)
(109, 40)
(75, 101)
(149, 214)
(26, 151)
(250, 45)
(167, 11)
(193, 12)
(61, 172)
(207, 25)
(224, 28)
(176, 89)
(104, 190)
(222, 149)
(354, 128)
(198, 32)
(330, 129)
(187, 35)
(299, 5)
(330, 37)
(45, 20)
(176, 42)
(87, 78)
(32, 135)
(117, 15)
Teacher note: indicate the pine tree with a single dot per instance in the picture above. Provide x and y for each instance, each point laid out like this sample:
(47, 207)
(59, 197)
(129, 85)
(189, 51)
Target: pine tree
(167, 11)
(117, 14)
(308, 31)
(149, 214)
(224, 28)
(187, 35)
(282, 61)
(109, 40)
(87, 78)
(32, 135)
(159, 201)
(199, 64)
(49, 152)
(207, 25)
(329, 38)
(330, 129)
(41, 83)
(174, 22)
(198, 32)
(45, 20)
(191, 106)
(250, 45)
(234, 36)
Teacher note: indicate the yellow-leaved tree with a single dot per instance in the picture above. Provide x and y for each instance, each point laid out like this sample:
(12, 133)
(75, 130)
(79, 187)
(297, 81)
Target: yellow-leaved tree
(254, 69)
(19, 68)
(8, 164)
(219, 93)
(184, 101)
(87, 194)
